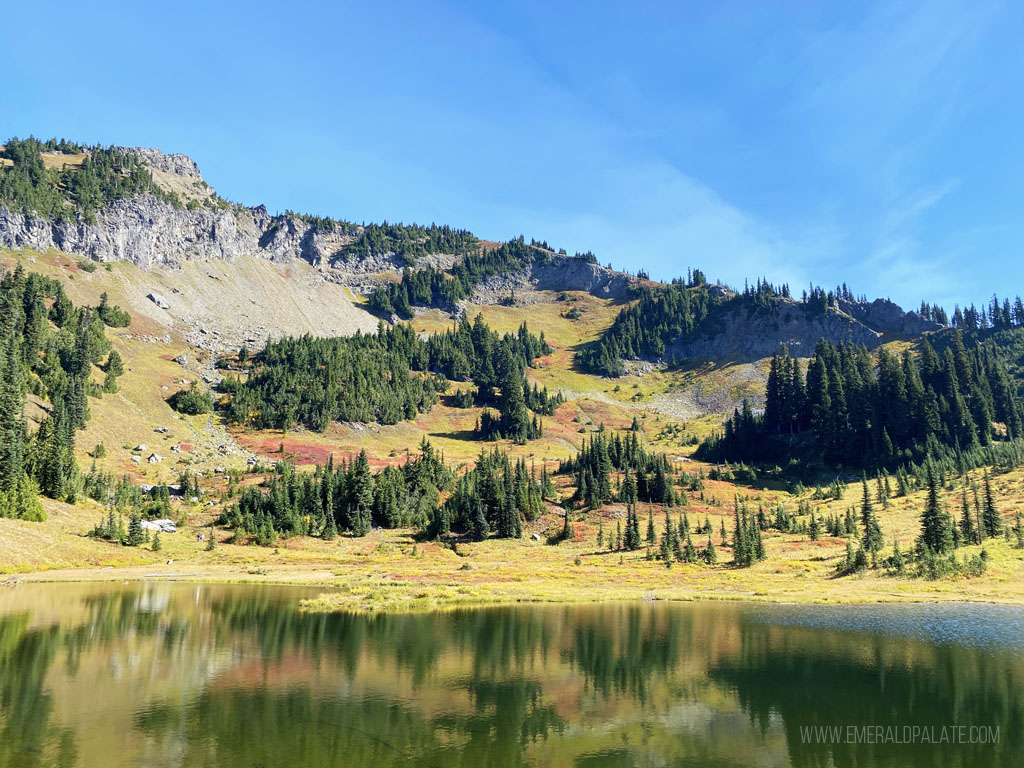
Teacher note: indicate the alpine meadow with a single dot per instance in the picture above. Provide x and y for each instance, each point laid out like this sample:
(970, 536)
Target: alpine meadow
(467, 421)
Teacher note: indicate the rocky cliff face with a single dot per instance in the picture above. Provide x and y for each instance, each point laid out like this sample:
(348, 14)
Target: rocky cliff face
(887, 317)
(179, 165)
(144, 231)
(152, 232)
(555, 273)
(570, 274)
(745, 334)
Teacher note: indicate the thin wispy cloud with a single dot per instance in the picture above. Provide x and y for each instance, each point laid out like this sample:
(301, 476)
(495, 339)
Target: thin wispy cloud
(861, 143)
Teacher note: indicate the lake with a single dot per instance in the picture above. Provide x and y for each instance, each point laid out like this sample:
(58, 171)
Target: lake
(159, 674)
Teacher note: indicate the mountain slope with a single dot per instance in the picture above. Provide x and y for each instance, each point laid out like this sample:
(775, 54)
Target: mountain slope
(202, 277)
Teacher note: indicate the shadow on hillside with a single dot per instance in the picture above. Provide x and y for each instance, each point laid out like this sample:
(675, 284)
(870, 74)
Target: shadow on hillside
(467, 435)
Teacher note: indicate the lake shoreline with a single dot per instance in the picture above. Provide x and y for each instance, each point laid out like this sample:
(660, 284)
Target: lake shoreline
(337, 594)
(395, 570)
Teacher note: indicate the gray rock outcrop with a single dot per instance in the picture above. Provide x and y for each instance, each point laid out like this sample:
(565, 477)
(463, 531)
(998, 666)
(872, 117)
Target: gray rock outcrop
(179, 165)
(555, 273)
(885, 316)
(745, 334)
(151, 232)
(560, 273)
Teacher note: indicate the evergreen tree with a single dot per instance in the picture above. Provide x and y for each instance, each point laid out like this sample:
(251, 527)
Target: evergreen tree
(330, 529)
(632, 540)
(968, 534)
(361, 522)
(515, 422)
(567, 531)
(689, 551)
(741, 556)
(897, 562)
(359, 483)
(136, 533)
(757, 552)
(936, 526)
(667, 540)
(481, 528)
(990, 518)
(872, 539)
(710, 557)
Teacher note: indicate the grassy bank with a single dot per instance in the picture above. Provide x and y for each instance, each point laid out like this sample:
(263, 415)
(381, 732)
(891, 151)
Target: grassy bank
(390, 570)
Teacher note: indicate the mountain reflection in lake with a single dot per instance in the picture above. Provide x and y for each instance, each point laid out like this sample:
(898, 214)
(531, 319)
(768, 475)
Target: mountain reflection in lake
(226, 676)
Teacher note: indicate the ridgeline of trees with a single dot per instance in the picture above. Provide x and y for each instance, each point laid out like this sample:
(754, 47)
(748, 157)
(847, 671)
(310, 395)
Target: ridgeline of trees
(999, 327)
(666, 314)
(390, 376)
(410, 241)
(436, 288)
(430, 287)
(646, 329)
(74, 192)
(48, 348)
(997, 316)
(850, 413)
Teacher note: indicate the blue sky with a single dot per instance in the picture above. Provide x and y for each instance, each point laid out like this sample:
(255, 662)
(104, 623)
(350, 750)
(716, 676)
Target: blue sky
(876, 143)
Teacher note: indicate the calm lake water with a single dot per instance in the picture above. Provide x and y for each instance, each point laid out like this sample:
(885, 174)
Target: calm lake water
(226, 676)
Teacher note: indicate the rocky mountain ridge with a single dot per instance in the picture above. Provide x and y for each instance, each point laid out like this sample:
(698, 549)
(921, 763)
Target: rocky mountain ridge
(747, 333)
(555, 273)
(149, 232)
(152, 232)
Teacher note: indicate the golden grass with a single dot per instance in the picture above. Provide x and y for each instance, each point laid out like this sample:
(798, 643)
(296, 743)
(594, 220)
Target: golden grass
(392, 571)
(52, 160)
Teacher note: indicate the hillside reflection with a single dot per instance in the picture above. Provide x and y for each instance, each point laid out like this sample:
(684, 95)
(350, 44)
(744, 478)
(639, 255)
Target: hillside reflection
(188, 675)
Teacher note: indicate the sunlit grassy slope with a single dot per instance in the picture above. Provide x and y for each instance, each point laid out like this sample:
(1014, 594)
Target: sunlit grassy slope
(392, 570)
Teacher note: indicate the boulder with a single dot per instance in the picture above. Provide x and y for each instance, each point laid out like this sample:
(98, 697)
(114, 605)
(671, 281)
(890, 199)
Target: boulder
(163, 526)
(159, 300)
